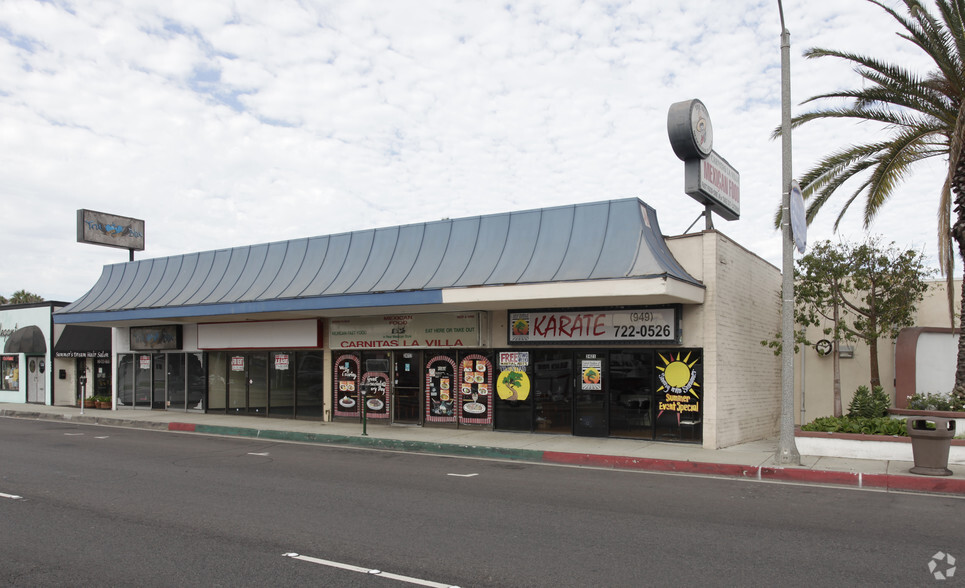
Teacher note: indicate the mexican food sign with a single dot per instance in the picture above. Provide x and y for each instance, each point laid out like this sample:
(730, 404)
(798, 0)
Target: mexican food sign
(420, 331)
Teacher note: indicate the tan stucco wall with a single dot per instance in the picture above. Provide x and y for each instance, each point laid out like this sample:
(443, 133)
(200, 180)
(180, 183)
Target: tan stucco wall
(814, 374)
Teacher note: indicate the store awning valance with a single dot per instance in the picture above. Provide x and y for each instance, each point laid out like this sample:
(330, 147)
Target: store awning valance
(83, 341)
(410, 266)
(26, 340)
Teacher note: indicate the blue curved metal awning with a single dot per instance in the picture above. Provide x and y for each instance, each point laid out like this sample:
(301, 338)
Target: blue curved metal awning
(409, 265)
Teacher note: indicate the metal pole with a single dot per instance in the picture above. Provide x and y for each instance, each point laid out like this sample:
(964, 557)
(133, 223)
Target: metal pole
(787, 452)
(362, 405)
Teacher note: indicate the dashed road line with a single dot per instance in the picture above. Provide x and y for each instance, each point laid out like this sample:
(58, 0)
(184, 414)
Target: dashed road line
(10, 496)
(369, 571)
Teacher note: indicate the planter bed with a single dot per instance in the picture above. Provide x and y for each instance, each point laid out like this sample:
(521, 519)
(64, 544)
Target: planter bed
(905, 413)
(881, 447)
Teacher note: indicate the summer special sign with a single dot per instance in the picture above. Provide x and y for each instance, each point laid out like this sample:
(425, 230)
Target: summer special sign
(650, 324)
(453, 329)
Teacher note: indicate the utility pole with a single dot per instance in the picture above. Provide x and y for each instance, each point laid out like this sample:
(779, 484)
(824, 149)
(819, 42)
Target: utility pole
(787, 452)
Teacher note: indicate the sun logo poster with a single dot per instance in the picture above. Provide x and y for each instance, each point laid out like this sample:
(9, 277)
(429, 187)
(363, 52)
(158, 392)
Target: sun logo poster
(678, 383)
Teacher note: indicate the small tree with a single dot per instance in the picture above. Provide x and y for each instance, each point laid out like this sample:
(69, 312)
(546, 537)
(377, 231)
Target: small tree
(820, 279)
(856, 292)
(888, 285)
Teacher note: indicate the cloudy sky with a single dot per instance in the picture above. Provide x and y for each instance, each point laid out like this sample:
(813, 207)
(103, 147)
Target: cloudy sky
(224, 123)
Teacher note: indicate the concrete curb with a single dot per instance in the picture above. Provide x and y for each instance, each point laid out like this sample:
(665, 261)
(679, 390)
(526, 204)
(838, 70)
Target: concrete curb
(911, 483)
(937, 484)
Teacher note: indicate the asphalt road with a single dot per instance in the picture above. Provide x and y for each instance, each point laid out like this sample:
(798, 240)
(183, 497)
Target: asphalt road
(102, 506)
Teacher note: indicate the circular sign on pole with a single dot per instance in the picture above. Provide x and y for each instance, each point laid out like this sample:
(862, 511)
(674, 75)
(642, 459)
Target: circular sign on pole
(690, 131)
(799, 222)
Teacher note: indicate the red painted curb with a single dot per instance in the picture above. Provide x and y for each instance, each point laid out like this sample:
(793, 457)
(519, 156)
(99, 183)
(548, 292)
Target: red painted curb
(816, 476)
(646, 463)
(938, 484)
(181, 427)
(887, 481)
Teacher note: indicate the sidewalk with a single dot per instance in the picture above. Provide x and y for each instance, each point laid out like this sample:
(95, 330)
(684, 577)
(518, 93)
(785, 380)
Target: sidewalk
(750, 460)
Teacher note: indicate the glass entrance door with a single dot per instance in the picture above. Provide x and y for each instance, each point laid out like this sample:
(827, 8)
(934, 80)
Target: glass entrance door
(407, 406)
(591, 402)
(159, 381)
(248, 383)
(175, 384)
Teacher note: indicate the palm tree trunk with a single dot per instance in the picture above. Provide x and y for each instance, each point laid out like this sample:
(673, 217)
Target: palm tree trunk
(958, 234)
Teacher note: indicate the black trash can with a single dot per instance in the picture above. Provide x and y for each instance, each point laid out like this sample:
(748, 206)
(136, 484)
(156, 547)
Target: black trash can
(930, 446)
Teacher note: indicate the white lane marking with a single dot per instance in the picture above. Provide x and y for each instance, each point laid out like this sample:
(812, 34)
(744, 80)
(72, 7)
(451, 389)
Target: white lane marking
(10, 496)
(103, 437)
(462, 475)
(261, 454)
(73, 434)
(370, 571)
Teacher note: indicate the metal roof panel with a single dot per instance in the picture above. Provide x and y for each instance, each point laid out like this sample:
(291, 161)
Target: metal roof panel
(489, 247)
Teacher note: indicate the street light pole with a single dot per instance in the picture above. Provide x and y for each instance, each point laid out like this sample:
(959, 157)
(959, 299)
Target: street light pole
(787, 452)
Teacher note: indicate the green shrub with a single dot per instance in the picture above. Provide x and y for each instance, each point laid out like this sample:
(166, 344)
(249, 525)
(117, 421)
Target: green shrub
(869, 405)
(929, 401)
(860, 425)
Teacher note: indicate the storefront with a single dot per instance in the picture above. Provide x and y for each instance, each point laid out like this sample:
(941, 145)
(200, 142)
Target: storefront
(26, 331)
(386, 367)
(82, 363)
(575, 320)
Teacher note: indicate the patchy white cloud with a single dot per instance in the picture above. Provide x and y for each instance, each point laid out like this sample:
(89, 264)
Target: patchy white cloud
(228, 123)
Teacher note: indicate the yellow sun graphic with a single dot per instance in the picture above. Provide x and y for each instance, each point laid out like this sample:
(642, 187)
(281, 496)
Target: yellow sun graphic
(677, 373)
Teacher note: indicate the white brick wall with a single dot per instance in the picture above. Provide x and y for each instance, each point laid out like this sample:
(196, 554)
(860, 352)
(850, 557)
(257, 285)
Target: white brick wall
(742, 379)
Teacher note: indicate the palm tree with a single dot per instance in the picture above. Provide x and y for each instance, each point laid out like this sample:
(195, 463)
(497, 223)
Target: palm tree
(924, 116)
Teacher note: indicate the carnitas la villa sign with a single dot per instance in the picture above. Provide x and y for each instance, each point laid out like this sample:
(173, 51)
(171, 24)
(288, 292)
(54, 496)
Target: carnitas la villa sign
(457, 329)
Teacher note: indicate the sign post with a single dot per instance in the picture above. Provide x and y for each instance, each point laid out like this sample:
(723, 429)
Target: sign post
(83, 390)
(787, 452)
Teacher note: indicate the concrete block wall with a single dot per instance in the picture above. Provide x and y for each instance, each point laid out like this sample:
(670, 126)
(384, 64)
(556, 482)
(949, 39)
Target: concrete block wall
(749, 374)
(742, 379)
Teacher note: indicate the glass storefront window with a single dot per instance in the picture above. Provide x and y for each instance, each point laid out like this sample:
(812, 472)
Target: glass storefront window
(125, 380)
(10, 370)
(631, 394)
(102, 377)
(678, 395)
(376, 383)
(143, 377)
(281, 385)
(217, 384)
(310, 385)
(513, 402)
(196, 381)
(440, 387)
(476, 388)
(553, 390)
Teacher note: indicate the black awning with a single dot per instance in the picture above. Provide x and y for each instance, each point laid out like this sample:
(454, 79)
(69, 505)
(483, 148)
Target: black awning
(82, 341)
(26, 340)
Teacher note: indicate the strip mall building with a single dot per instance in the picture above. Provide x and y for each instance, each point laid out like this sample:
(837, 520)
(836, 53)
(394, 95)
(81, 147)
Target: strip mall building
(575, 320)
